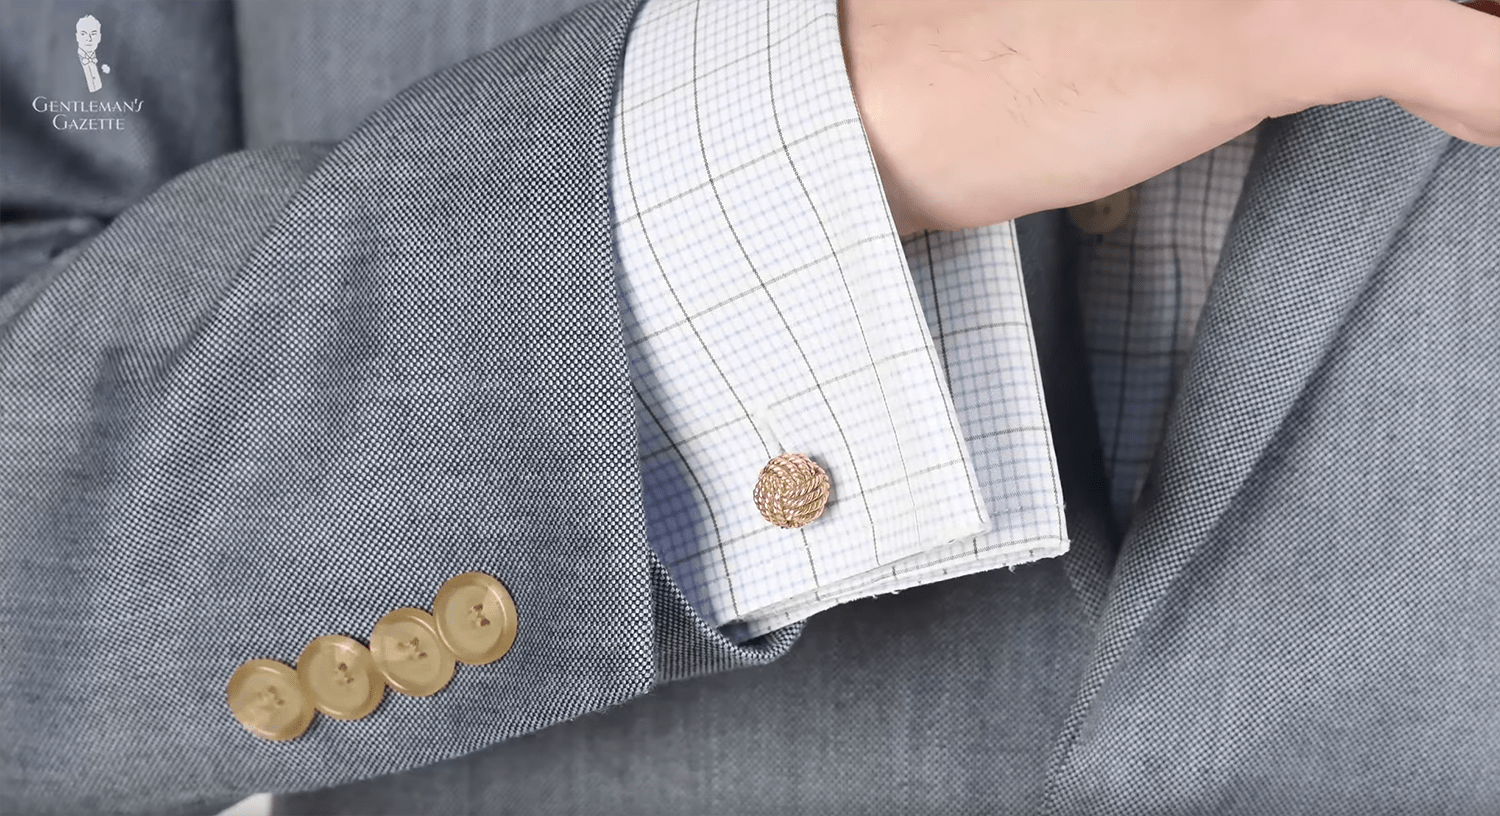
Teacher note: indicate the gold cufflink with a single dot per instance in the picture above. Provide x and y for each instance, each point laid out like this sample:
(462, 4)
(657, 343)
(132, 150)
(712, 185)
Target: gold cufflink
(792, 491)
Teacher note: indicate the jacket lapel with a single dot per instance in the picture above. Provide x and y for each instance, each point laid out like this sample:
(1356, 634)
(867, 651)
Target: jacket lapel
(1327, 192)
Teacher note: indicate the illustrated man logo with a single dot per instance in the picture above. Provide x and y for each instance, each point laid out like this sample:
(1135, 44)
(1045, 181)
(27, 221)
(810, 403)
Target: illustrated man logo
(88, 40)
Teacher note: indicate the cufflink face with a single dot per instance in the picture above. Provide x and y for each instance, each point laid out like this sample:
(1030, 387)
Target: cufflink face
(1105, 215)
(340, 677)
(266, 698)
(407, 649)
(476, 618)
(792, 491)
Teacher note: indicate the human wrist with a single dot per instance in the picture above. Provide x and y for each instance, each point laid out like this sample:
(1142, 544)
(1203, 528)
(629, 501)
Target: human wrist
(868, 52)
(920, 78)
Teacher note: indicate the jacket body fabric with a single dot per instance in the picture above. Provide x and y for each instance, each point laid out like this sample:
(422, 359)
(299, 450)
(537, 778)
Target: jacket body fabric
(297, 387)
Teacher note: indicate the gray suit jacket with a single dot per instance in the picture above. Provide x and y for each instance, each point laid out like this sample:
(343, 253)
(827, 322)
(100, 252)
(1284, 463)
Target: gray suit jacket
(298, 387)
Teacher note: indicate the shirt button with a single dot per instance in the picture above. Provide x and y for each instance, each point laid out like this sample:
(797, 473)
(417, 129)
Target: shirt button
(265, 697)
(476, 618)
(336, 672)
(407, 649)
(1105, 215)
(792, 491)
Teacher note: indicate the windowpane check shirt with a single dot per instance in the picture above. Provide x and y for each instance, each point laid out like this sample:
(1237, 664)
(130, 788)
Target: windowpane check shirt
(769, 306)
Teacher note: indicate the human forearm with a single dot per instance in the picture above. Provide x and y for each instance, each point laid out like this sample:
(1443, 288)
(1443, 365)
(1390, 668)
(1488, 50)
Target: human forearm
(980, 111)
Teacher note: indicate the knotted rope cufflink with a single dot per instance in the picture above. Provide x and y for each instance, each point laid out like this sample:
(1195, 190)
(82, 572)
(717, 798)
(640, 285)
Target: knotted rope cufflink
(792, 491)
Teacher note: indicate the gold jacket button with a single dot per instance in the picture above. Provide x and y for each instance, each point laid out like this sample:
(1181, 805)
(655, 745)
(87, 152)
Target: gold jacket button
(1105, 215)
(265, 697)
(476, 618)
(792, 491)
(340, 678)
(407, 649)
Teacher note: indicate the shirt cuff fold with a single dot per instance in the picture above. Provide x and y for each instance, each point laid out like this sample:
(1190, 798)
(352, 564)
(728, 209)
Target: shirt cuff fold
(770, 308)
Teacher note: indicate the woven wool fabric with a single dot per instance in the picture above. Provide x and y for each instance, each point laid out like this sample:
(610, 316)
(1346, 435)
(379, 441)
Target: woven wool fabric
(1331, 651)
(1318, 548)
(1302, 618)
(272, 402)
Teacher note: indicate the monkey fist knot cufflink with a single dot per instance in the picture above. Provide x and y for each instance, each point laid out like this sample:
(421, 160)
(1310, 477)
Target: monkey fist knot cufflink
(792, 491)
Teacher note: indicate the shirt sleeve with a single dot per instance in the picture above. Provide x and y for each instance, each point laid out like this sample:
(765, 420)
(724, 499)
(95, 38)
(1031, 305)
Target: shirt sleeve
(770, 307)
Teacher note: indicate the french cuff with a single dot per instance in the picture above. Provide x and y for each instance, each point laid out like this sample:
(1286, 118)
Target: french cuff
(795, 325)
(974, 297)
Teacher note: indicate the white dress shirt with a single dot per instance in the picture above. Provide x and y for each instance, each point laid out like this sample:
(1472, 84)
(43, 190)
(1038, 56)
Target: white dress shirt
(770, 307)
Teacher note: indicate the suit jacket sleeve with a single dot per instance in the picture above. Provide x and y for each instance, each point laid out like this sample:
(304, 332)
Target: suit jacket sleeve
(297, 388)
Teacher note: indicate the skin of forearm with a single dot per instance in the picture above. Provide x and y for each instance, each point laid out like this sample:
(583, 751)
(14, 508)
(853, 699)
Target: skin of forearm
(982, 111)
